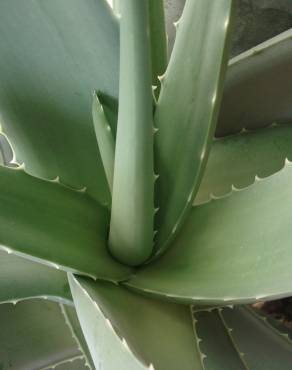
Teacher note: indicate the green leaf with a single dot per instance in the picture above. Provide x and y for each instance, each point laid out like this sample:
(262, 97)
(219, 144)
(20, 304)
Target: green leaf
(187, 110)
(33, 335)
(72, 322)
(239, 338)
(22, 279)
(64, 228)
(131, 227)
(236, 160)
(218, 349)
(158, 42)
(233, 249)
(46, 85)
(258, 87)
(127, 331)
(104, 138)
(263, 347)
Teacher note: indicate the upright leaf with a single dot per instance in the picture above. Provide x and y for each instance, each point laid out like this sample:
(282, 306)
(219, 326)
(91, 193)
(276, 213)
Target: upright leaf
(104, 138)
(131, 228)
(187, 109)
(158, 41)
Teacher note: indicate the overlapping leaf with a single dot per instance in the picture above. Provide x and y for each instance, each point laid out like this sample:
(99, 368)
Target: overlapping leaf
(33, 335)
(187, 109)
(54, 54)
(230, 249)
(258, 89)
(50, 223)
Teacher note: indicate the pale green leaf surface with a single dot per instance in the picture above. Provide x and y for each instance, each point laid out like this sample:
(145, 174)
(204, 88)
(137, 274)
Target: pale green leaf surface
(104, 139)
(187, 110)
(118, 324)
(158, 41)
(237, 159)
(233, 249)
(33, 335)
(132, 213)
(262, 346)
(22, 279)
(258, 88)
(50, 223)
(54, 54)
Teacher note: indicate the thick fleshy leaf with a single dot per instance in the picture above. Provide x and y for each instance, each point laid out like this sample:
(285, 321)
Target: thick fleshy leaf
(235, 160)
(54, 54)
(22, 279)
(72, 322)
(132, 213)
(233, 249)
(187, 110)
(127, 331)
(263, 346)
(33, 335)
(219, 352)
(258, 88)
(158, 41)
(64, 228)
(239, 338)
(104, 139)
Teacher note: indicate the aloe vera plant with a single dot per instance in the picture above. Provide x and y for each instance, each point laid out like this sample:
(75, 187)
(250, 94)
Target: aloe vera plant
(146, 202)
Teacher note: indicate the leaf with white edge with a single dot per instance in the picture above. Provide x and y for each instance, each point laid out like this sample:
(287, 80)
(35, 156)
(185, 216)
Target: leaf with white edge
(46, 85)
(232, 249)
(22, 279)
(258, 87)
(127, 331)
(219, 352)
(236, 160)
(187, 109)
(132, 213)
(52, 224)
(33, 335)
(262, 346)
(72, 322)
(158, 42)
(104, 139)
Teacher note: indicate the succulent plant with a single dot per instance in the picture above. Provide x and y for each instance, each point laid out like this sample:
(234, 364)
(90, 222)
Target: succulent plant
(152, 196)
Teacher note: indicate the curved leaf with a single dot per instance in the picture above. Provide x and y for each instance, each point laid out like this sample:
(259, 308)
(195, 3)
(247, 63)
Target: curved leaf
(127, 331)
(258, 88)
(22, 279)
(238, 338)
(55, 225)
(187, 109)
(54, 54)
(234, 249)
(261, 345)
(235, 160)
(33, 335)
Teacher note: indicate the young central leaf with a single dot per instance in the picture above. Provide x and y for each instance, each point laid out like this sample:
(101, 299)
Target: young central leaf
(131, 228)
